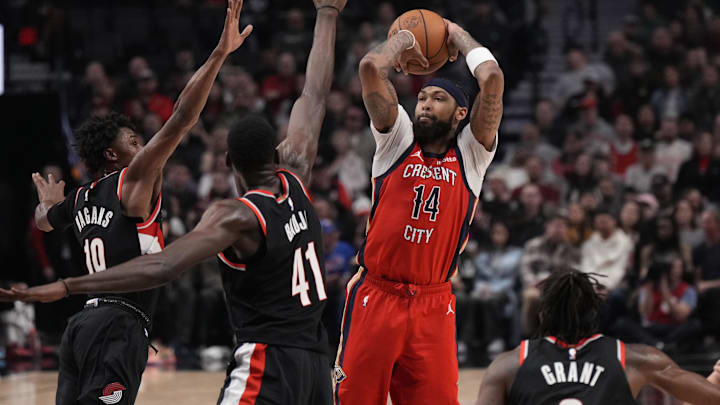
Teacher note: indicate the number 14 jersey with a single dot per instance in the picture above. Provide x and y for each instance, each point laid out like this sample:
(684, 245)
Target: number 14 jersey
(423, 205)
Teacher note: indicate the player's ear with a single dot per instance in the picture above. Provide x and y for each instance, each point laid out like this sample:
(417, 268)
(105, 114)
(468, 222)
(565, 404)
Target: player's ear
(110, 155)
(460, 113)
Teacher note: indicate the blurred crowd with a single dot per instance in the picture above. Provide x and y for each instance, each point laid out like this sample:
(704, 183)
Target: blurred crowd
(617, 171)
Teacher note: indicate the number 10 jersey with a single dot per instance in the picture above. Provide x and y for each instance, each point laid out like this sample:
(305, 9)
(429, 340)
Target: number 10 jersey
(423, 205)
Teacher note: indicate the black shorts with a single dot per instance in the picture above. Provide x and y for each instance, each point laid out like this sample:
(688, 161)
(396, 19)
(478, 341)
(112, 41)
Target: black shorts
(102, 356)
(276, 375)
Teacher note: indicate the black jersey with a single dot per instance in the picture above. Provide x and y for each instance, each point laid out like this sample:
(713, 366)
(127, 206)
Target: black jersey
(278, 296)
(107, 236)
(591, 372)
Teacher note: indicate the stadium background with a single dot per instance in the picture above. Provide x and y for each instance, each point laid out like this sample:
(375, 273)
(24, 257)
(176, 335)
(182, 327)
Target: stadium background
(609, 155)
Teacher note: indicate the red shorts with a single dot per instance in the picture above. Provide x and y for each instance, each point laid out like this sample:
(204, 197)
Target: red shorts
(396, 338)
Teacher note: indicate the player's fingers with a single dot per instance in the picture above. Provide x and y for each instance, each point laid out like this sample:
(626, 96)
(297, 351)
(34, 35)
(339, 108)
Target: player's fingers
(238, 8)
(51, 179)
(452, 52)
(246, 32)
(37, 179)
(61, 183)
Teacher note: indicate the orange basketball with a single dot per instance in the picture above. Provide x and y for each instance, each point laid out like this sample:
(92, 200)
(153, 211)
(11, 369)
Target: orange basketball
(431, 34)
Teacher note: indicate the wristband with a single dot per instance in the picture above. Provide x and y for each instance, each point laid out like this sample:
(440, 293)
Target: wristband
(67, 289)
(332, 7)
(478, 56)
(413, 38)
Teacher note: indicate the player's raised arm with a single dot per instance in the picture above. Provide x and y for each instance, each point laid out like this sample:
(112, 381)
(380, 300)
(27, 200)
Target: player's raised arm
(299, 149)
(647, 365)
(224, 223)
(488, 106)
(378, 92)
(498, 379)
(143, 178)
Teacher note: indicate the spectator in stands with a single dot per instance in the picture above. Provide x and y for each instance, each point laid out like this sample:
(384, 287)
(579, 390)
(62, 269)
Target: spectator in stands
(493, 301)
(639, 176)
(671, 152)
(597, 131)
(294, 37)
(549, 128)
(338, 269)
(572, 82)
(664, 247)
(539, 256)
(531, 144)
(581, 179)
(535, 167)
(630, 220)
(623, 148)
(686, 224)
(662, 50)
(528, 219)
(669, 101)
(705, 103)
(706, 258)
(646, 123)
(352, 171)
(149, 95)
(607, 252)
(665, 302)
(702, 171)
(357, 125)
(635, 89)
(579, 227)
(282, 85)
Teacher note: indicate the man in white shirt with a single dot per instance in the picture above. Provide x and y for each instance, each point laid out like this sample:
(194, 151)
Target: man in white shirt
(607, 251)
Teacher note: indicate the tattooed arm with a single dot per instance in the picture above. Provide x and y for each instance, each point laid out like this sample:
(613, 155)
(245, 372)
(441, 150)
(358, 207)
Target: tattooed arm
(488, 106)
(378, 92)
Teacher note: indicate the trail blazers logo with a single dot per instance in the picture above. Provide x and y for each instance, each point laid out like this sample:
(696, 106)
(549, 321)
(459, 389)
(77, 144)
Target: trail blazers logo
(112, 393)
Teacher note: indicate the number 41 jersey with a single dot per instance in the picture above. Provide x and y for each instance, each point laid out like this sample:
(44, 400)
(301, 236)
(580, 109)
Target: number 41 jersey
(107, 236)
(277, 297)
(423, 204)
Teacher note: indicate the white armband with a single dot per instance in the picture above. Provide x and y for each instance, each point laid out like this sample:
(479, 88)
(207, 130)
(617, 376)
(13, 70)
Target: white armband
(478, 56)
(411, 35)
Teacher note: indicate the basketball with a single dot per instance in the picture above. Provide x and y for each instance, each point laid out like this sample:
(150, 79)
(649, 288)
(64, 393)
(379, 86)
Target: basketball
(430, 33)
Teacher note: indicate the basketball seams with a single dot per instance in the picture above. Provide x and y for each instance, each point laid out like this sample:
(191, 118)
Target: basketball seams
(427, 40)
(444, 42)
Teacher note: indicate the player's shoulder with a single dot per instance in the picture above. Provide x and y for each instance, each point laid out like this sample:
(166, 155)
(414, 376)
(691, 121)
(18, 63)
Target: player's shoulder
(235, 214)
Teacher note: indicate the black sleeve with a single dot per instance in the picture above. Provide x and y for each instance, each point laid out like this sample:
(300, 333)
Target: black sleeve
(60, 214)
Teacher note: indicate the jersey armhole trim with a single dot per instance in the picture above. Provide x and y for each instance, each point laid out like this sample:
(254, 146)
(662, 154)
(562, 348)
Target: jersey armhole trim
(399, 160)
(621, 353)
(236, 266)
(302, 185)
(120, 183)
(257, 212)
(153, 215)
(77, 194)
(523, 351)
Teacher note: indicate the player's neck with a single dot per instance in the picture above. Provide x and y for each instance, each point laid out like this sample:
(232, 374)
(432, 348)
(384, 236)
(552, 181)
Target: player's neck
(439, 146)
(265, 179)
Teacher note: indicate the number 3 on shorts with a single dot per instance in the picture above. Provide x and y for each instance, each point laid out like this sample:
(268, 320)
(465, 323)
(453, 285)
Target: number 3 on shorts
(570, 401)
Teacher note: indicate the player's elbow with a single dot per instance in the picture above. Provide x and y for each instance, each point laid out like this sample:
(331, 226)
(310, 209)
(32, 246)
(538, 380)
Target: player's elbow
(491, 74)
(368, 67)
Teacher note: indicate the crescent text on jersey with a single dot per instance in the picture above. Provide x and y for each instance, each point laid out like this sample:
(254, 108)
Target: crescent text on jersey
(298, 222)
(93, 215)
(429, 172)
(558, 373)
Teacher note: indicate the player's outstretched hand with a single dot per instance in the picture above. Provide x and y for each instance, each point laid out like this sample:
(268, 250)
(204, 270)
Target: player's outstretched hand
(339, 5)
(43, 293)
(49, 191)
(714, 377)
(414, 54)
(231, 37)
(453, 49)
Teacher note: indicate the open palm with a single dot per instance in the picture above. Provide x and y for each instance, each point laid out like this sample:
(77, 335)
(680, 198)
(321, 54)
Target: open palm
(231, 37)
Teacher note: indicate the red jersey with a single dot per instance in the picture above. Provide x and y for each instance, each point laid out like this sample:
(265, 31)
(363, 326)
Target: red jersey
(423, 205)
